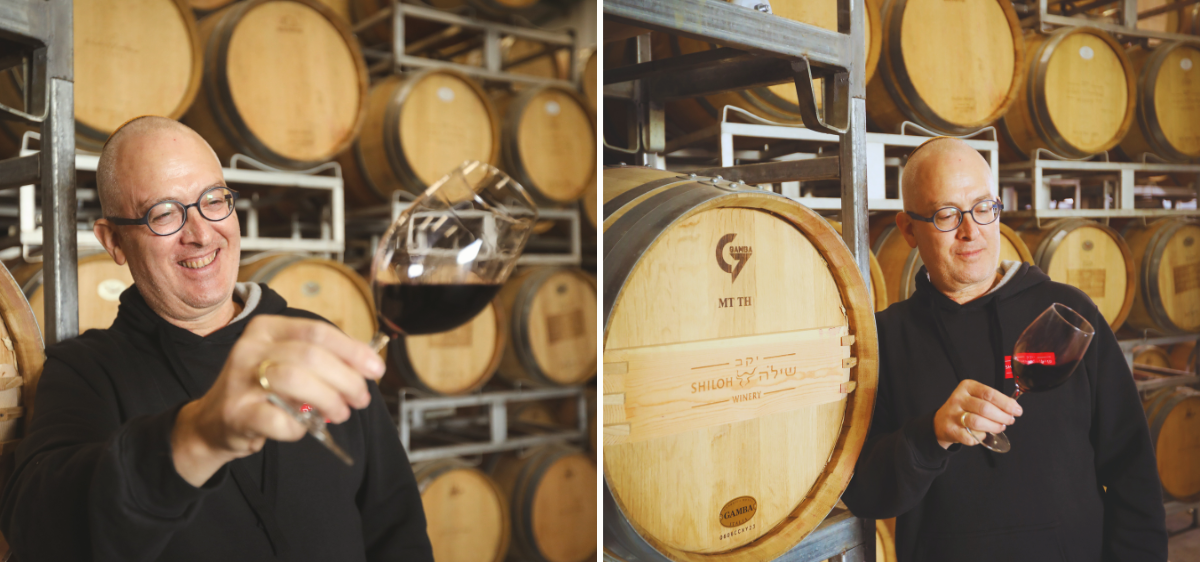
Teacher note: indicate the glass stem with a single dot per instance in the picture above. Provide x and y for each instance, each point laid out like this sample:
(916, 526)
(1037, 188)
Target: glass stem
(379, 341)
(1016, 393)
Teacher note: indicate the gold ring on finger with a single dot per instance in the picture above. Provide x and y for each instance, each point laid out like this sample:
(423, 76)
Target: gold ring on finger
(963, 419)
(262, 374)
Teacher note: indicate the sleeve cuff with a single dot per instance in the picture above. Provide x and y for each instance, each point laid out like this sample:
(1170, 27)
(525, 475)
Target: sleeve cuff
(143, 451)
(923, 444)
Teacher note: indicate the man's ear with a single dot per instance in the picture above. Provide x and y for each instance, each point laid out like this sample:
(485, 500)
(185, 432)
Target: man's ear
(106, 232)
(904, 224)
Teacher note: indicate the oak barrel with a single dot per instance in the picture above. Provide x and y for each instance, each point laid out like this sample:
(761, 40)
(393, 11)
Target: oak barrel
(900, 264)
(21, 358)
(450, 363)
(588, 79)
(132, 58)
(878, 287)
(552, 327)
(1183, 357)
(552, 502)
(715, 299)
(778, 103)
(100, 281)
(1166, 253)
(1090, 257)
(324, 287)
(1174, 418)
(1168, 103)
(466, 513)
(419, 127)
(284, 83)
(1078, 98)
(548, 143)
(1151, 355)
(952, 67)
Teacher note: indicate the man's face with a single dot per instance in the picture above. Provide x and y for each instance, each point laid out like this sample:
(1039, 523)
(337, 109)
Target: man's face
(190, 273)
(970, 254)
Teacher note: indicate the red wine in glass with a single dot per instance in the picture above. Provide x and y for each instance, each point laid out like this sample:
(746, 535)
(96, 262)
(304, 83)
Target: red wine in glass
(429, 309)
(1044, 357)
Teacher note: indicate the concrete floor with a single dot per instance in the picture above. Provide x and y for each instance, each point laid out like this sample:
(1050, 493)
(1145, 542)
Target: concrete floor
(1183, 547)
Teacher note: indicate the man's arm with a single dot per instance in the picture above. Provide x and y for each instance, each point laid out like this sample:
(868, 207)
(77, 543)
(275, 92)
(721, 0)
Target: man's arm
(1134, 518)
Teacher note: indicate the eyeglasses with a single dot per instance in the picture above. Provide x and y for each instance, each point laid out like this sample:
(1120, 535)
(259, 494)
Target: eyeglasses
(950, 218)
(168, 217)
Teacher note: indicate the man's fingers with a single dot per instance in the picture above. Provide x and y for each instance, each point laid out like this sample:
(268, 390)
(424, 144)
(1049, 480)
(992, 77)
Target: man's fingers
(356, 354)
(323, 364)
(267, 420)
(299, 384)
(977, 422)
(987, 410)
(985, 392)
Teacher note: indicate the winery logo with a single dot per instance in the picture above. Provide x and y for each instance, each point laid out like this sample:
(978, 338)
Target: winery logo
(738, 511)
(739, 253)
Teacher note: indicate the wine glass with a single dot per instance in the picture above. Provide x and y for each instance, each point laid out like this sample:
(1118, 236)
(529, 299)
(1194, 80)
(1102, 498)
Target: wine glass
(447, 254)
(1044, 357)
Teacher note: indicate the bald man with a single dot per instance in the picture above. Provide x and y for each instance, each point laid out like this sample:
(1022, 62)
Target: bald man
(943, 356)
(154, 439)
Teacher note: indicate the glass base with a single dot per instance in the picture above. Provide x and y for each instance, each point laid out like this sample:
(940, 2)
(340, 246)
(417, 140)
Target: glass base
(997, 442)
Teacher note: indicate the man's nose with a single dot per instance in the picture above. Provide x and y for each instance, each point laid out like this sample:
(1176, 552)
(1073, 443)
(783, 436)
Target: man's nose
(969, 229)
(197, 229)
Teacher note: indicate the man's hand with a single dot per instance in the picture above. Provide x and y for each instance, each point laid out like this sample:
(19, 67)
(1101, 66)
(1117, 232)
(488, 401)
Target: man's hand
(987, 410)
(310, 362)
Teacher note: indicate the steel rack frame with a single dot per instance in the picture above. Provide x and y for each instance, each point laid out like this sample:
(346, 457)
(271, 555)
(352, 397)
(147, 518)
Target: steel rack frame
(241, 170)
(398, 59)
(1041, 19)
(419, 412)
(44, 32)
(759, 50)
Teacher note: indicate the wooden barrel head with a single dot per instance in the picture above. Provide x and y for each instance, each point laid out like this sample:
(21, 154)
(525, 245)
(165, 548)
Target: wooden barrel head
(324, 287)
(553, 338)
(552, 143)
(444, 122)
(1090, 257)
(1176, 89)
(824, 15)
(1174, 418)
(898, 262)
(1167, 255)
(466, 516)
(953, 67)
(1183, 357)
(460, 360)
(101, 282)
(1012, 247)
(711, 293)
(1151, 355)
(133, 58)
(564, 510)
(1087, 91)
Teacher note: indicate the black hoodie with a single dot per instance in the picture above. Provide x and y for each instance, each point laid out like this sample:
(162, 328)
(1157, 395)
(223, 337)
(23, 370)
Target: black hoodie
(1043, 500)
(95, 480)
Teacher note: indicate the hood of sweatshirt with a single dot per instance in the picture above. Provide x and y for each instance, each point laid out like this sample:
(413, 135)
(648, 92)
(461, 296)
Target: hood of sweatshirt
(1024, 279)
(135, 314)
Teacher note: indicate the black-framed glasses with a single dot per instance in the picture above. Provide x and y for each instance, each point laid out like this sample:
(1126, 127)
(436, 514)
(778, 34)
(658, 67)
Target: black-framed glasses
(950, 218)
(168, 217)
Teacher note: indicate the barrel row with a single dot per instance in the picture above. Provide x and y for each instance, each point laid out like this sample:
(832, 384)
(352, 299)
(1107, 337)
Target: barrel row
(539, 505)
(1075, 91)
(285, 82)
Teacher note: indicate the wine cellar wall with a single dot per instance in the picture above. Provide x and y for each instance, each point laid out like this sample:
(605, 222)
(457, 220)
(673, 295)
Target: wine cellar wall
(328, 128)
(1086, 112)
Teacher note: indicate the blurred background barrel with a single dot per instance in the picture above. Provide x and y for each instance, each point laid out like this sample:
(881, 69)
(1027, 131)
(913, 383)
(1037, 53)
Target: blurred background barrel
(1174, 417)
(1151, 355)
(132, 58)
(1166, 253)
(720, 274)
(321, 286)
(419, 127)
(101, 282)
(1078, 97)
(450, 363)
(551, 313)
(466, 513)
(1183, 357)
(284, 83)
(1167, 108)
(551, 493)
(1090, 257)
(951, 67)
(548, 143)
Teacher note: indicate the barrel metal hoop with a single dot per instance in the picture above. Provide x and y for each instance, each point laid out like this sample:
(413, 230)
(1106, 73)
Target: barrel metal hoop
(393, 144)
(533, 472)
(356, 151)
(522, 311)
(616, 203)
(1147, 112)
(1151, 294)
(1039, 109)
